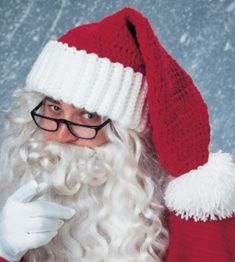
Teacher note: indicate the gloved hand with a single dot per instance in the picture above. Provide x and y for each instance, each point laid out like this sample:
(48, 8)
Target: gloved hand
(27, 223)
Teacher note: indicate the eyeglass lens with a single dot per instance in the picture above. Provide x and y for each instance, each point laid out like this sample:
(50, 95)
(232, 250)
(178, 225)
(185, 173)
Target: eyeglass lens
(52, 125)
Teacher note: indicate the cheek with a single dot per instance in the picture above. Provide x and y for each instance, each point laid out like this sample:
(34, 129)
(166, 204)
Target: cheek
(48, 135)
(101, 138)
(98, 141)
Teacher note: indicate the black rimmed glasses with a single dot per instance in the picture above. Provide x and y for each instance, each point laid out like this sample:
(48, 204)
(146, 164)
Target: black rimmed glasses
(52, 125)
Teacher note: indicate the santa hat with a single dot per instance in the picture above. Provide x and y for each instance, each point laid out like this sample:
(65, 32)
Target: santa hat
(118, 68)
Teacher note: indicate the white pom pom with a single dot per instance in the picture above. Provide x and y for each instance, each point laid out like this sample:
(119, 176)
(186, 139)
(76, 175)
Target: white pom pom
(207, 192)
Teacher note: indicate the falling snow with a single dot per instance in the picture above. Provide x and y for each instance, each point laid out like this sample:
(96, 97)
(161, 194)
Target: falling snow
(231, 7)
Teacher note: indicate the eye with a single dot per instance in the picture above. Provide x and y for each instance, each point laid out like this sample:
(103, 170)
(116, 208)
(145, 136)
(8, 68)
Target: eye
(89, 115)
(54, 108)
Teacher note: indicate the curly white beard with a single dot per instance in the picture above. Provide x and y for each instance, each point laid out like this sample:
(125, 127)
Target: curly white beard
(110, 224)
(118, 203)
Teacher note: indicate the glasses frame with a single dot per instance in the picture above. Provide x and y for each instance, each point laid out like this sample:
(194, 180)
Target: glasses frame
(66, 122)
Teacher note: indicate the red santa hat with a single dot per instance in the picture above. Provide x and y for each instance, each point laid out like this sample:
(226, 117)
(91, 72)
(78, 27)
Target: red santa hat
(118, 68)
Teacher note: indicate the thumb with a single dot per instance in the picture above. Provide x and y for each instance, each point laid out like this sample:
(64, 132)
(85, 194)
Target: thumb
(28, 191)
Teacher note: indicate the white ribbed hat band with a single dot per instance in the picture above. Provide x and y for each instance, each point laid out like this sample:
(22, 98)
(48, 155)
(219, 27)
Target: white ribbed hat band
(88, 81)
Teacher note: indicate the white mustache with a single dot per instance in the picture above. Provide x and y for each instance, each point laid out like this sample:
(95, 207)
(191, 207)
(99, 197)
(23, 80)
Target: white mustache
(67, 167)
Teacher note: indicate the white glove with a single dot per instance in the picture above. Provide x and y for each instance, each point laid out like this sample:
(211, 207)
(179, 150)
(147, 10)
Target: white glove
(26, 223)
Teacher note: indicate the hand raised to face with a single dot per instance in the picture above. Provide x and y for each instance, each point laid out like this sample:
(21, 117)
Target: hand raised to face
(27, 222)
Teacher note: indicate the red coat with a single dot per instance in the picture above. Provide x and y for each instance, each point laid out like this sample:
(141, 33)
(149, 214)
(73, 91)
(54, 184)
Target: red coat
(211, 241)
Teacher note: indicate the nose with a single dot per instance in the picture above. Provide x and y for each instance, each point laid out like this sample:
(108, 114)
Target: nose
(63, 135)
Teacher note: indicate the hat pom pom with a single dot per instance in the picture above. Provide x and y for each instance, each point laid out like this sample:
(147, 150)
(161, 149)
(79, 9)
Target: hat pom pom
(207, 192)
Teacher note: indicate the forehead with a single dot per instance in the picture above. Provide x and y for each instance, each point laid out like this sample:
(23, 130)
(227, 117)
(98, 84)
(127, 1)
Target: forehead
(62, 103)
(67, 107)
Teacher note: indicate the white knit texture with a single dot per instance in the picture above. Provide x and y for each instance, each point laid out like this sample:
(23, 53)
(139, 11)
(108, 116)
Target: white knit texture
(207, 192)
(86, 80)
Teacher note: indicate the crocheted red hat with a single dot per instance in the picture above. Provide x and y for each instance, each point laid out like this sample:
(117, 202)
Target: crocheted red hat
(104, 66)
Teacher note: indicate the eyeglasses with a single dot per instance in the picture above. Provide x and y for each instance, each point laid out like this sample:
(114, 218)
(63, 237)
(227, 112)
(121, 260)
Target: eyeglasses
(52, 125)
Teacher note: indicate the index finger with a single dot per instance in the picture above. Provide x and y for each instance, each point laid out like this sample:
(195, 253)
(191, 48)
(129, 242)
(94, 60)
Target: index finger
(28, 191)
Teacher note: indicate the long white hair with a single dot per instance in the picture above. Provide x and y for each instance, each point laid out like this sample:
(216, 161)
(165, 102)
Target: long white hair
(116, 189)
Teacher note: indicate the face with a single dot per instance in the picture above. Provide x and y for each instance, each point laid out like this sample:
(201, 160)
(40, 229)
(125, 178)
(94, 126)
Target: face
(59, 109)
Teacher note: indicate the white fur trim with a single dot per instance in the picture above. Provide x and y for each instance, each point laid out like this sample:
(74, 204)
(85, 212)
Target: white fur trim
(86, 80)
(205, 193)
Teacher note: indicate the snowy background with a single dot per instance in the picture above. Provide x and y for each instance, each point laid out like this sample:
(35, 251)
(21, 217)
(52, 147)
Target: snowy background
(200, 34)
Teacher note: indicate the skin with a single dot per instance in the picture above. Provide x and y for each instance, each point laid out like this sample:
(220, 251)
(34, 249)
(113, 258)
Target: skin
(59, 109)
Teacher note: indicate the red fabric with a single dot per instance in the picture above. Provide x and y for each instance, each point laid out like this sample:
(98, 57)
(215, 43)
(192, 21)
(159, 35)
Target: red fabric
(211, 241)
(178, 114)
(110, 38)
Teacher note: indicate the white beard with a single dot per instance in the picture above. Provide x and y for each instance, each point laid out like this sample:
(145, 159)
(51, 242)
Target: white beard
(118, 203)
(109, 224)
(69, 167)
